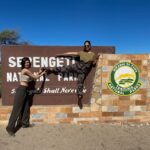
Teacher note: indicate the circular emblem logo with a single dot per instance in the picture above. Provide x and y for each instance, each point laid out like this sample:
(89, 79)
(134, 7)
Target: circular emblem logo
(124, 79)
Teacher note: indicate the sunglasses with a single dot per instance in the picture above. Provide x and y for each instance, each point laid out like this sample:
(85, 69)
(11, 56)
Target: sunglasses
(87, 45)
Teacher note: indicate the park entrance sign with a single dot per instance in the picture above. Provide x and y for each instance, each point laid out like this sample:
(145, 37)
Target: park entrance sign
(58, 89)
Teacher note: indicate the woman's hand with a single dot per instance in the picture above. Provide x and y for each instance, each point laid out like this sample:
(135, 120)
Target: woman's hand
(41, 70)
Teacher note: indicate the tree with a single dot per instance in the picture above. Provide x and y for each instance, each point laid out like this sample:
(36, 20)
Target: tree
(10, 37)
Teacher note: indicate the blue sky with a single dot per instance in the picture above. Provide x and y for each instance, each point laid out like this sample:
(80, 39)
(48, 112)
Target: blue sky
(124, 24)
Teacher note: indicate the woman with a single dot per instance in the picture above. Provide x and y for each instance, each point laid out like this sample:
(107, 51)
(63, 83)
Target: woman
(21, 102)
(82, 68)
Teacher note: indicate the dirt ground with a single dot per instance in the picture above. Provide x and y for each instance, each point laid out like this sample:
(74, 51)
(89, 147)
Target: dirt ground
(78, 137)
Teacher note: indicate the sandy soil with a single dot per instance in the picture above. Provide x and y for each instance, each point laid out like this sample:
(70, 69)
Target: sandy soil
(78, 137)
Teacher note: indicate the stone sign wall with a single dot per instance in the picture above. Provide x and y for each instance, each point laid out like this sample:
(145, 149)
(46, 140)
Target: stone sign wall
(120, 93)
(131, 100)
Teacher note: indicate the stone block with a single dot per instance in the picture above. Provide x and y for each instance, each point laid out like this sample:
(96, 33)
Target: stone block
(137, 108)
(144, 62)
(90, 114)
(139, 57)
(144, 82)
(148, 108)
(4, 117)
(142, 91)
(78, 110)
(104, 86)
(124, 97)
(148, 92)
(5, 110)
(73, 115)
(137, 62)
(98, 81)
(108, 102)
(115, 102)
(123, 108)
(110, 96)
(53, 109)
(66, 109)
(106, 68)
(61, 115)
(144, 114)
(112, 63)
(129, 114)
(124, 60)
(143, 74)
(51, 115)
(95, 107)
(37, 121)
(96, 89)
(98, 72)
(96, 95)
(136, 97)
(107, 114)
(66, 120)
(106, 91)
(86, 120)
(37, 116)
(104, 62)
(140, 102)
(92, 100)
(111, 57)
(34, 110)
(105, 76)
(99, 101)
(109, 108)
(3, 122)
(118, 114)
(126, 102)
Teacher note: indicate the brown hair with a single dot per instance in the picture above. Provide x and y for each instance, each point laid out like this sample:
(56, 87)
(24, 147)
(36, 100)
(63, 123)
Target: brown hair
(23, 61)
